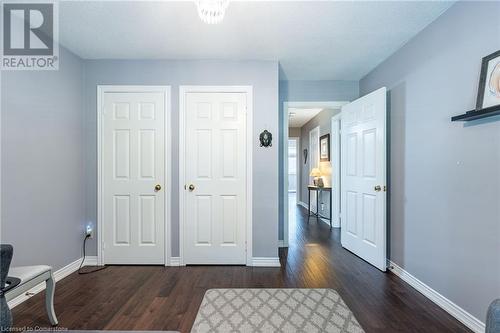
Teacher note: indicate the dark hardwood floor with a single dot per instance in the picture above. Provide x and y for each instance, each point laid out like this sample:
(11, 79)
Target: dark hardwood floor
(167, 298)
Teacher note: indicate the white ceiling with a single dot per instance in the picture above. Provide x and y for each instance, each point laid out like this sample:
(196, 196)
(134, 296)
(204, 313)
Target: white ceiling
(301, 116)
(312, 40)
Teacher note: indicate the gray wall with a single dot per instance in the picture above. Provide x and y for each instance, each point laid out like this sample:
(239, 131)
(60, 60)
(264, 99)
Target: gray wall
(308, 91)
(262, 75)
(445, 178)
(293, 132)
(43, 184)
(324, 121)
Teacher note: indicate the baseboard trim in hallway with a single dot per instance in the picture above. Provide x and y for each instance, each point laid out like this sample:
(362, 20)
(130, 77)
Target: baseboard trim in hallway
(175, 261)
(266, 262)
(256, 262)
(58, 276)
(456, 311)
(303, 204)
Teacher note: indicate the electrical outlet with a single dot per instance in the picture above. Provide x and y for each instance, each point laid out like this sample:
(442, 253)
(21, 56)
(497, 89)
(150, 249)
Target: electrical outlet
(89, 231)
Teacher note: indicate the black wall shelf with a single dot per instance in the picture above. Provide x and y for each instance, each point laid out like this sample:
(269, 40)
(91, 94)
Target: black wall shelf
(478, 114)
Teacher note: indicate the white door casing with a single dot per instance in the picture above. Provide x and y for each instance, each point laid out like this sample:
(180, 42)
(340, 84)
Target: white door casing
(132, 162)
(363, 169)
(313, 159)
(214, 151)
(335, 154)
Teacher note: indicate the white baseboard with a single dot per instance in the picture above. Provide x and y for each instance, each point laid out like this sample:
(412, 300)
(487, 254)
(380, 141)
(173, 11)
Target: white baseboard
(90, 261)
(58, 275)
(175, 261)
(325, 221)
(256, 262)
(303, 204)
(266, 262)
(453, 309)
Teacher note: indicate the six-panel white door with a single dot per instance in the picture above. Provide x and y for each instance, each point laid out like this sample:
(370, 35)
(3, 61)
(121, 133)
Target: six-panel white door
(215, 168)
(363, 169)
(133, 164)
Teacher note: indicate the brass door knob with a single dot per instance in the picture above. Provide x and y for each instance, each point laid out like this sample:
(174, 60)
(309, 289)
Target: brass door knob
(191, 187)
(157, 187)
(378, 188)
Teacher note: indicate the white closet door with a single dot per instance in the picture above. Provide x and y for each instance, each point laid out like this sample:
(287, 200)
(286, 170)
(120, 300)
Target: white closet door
(133, 170)
(215, 177)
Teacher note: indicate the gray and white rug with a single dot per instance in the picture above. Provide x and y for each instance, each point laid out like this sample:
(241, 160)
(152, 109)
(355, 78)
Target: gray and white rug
(274, 310)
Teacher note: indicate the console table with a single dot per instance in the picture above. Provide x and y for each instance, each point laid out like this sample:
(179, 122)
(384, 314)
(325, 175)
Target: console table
(318, 191)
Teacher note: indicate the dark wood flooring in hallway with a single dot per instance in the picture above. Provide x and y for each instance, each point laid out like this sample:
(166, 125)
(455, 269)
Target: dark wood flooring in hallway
(167, 298)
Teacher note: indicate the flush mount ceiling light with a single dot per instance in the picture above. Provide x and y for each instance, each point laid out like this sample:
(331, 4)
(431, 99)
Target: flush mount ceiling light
(212, 11)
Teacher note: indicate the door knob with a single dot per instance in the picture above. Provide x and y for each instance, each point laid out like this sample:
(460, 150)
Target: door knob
(157, 187)
(378, 188)
(191, 187)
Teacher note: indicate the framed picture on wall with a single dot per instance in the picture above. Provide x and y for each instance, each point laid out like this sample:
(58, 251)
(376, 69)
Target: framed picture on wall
(488, 94)
(324, 148)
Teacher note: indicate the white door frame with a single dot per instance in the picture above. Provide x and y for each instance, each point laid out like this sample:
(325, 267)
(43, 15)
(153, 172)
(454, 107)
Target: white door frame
(315, 129)
(297, 193)
(286, 106)
(183, 90)
(101, 90)
(336, 161)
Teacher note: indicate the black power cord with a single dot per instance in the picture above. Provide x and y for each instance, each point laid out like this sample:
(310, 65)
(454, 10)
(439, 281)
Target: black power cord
(83, 260)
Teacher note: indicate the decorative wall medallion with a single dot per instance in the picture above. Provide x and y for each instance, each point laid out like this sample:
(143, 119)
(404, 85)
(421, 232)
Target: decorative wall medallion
(266, 139)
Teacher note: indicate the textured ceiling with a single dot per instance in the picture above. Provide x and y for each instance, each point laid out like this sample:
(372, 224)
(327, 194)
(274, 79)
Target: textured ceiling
(312, 40)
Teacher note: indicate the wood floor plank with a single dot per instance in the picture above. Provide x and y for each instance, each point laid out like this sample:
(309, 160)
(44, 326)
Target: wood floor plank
(167, 298)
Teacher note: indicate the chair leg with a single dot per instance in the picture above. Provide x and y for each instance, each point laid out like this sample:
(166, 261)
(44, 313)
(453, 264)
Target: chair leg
(49, 299)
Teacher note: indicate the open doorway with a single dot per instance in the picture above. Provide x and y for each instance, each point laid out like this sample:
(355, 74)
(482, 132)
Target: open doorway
(305, 123)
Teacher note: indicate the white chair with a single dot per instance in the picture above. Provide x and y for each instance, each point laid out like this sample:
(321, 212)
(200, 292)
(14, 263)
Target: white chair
(31, 276)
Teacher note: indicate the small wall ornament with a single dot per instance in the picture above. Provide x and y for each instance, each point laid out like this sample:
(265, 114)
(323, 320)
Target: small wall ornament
(266, 139)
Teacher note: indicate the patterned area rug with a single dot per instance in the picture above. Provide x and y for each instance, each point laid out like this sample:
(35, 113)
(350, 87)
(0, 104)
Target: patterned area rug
(274, 310)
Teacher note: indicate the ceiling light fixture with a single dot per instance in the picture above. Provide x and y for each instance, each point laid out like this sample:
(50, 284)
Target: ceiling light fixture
(212, 11)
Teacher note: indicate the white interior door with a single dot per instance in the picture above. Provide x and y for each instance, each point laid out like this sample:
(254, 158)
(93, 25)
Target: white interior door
(364, 178)
(215, 178)
(133, 164)
(313, 162)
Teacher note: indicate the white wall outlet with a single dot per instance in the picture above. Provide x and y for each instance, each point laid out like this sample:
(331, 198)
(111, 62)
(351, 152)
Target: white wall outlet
(89, 231)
